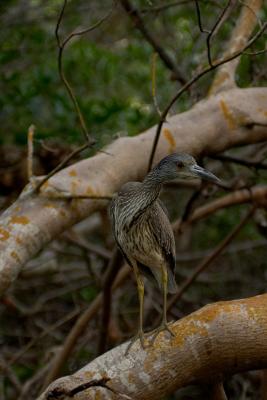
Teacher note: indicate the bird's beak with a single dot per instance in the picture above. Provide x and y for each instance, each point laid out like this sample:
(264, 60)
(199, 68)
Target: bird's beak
(202, 173)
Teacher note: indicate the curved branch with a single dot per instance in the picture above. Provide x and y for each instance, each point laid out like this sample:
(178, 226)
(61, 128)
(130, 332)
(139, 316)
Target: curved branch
(220, 339)
(256, 194)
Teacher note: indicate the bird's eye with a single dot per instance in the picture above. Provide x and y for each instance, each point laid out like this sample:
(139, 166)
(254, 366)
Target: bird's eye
(179, 164)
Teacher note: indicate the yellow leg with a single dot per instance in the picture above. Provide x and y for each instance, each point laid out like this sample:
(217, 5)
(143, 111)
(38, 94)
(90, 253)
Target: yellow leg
(140, 287)
(164, 324)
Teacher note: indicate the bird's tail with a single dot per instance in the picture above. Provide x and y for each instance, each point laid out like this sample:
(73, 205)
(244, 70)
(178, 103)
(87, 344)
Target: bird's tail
(172, 286)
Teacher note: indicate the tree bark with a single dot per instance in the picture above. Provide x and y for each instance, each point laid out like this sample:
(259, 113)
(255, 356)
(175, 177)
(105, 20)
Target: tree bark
(221, 338)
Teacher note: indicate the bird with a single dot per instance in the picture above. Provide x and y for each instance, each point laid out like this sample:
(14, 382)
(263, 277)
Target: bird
(143, 232)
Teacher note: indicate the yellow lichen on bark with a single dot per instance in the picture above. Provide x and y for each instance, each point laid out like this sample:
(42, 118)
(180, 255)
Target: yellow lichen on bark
(19, 219)
(4, 234)
(73, 172)
(15, 255)
(170, 139)
(228, 115)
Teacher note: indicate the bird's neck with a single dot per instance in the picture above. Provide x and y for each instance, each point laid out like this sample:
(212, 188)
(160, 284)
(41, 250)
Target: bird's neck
(143, 198)
(151, 187)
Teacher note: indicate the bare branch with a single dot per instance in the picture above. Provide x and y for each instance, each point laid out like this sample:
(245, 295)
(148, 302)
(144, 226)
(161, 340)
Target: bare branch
(135, 15)
(164, 7)
(79, 327)
(110, 275)
(255, 195)
(237, 160)
(154, 82)
(61, 165)
(225, 13)
(199, 18)
(255, 53)
(31, 131)
(90, 29)
(61, 47)
(220, 20)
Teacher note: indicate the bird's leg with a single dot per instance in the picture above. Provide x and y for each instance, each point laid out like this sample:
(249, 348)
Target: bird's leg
(140, 334)
(164, 324)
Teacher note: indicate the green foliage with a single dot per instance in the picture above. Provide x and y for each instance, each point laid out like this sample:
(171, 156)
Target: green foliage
(88, 293)
(109, 69)
(23, 372)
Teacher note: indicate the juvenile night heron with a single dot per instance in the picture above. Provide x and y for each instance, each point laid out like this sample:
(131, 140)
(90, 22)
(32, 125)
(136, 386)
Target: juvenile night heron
(143, 231)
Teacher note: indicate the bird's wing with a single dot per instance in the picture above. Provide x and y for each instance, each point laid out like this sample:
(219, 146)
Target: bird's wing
(163, 233)
(111, 211)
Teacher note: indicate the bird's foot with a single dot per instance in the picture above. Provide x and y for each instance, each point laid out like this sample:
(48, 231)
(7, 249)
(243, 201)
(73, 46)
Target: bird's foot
(139, 336)
(163, 327)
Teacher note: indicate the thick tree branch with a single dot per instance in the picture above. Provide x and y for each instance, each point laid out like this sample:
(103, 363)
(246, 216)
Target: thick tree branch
(212, 126)
(220, 339)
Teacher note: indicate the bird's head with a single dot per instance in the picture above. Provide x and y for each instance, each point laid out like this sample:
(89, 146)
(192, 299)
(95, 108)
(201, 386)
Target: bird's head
(183, 166)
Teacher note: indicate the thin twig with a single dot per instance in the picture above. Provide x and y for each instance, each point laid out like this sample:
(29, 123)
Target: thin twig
(5, 369)
(190, 204)
(58, 392)
(199, 18)
(135, 15)
(45, 332)
(79, 327)
(240, 161)
(61, 165)
(61, 46)
(154, 82)
(90, 29)
(215, 28)
(194, 79)
(70, 196)
(256, 194)
(109, 277)
(164, 7)
(31, 131)
(78, 240)
(95, 383)
(255, 53)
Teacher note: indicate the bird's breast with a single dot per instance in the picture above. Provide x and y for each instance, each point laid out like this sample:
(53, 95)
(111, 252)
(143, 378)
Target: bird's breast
(138, 242)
